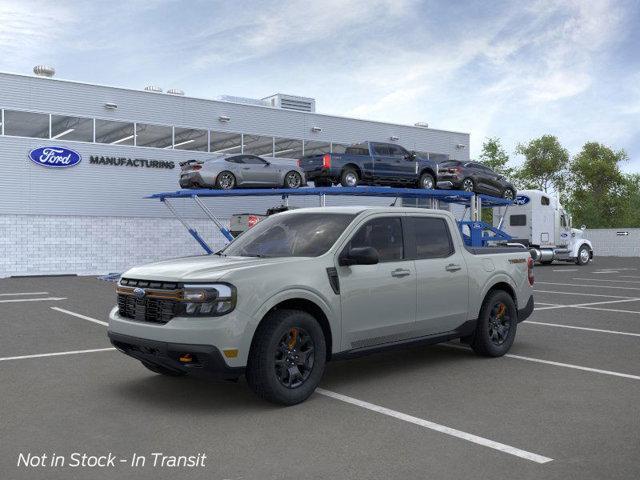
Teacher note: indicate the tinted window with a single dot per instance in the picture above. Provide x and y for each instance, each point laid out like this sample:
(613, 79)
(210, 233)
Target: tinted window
(290, 235)
(26, 124)
(517, 220)
(235, 159)
(432, 238)
(381, 149)
(383, 234)
(544, 200)
(450, 163)
(397, 151)
(253, 160)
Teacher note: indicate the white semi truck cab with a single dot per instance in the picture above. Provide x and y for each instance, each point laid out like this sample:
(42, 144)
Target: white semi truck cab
(538, 221)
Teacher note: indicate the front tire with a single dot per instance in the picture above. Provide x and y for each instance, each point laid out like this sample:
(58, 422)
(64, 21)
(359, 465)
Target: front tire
(287, 357)
(584, 255)
(292, 180)
(497, 324)
(427, 182)
(349, 178)
(225, 181)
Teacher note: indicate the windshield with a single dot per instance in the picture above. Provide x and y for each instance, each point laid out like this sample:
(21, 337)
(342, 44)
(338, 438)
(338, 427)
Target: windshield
(290, 235)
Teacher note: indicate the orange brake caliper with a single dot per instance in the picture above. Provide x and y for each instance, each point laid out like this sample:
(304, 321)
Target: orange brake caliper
(294, 337)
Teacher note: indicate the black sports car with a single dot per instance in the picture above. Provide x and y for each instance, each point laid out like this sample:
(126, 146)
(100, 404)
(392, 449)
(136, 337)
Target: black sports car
(474, 177)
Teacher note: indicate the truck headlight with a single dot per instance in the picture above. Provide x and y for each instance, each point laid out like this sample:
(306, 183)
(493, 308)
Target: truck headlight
(208, 300)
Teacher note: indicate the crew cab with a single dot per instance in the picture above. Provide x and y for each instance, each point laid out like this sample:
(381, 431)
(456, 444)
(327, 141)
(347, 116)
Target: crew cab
(371, 163)
(311, 285)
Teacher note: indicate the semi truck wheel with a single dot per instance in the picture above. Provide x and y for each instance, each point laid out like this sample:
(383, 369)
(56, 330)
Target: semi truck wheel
(287, 357)
(584, 255)
(497, 324)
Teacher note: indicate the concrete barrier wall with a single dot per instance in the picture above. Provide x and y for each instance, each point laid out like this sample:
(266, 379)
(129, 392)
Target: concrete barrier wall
(619, 242)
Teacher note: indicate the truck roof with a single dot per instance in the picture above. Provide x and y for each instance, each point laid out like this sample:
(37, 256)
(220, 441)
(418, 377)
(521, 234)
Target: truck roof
(357, 209)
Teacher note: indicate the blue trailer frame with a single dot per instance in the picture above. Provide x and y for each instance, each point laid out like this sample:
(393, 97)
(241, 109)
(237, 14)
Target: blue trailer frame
(480, 233)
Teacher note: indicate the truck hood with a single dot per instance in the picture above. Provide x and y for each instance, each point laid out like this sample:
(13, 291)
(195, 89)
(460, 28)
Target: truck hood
(201, 268)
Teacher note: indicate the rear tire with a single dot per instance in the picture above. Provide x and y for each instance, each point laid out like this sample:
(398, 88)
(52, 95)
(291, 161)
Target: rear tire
(285, 367)
(468, 185)
(225, 181)
(292, 180)
(162, 370)
(497, 325)
(349, 178)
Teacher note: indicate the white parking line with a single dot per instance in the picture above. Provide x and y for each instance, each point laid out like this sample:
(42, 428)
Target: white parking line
(72, 352)
(437, 427)
(583, 294)
(604, 280)
(607, 309)
(599, 330)
(23, 293)
(565, 270)
(588, 305)
(575, 367)
(590, 286)
(628, 276)
(84, 317)
(15, 300)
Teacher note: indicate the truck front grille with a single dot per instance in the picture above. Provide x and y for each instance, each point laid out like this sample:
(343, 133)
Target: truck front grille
(159, 304)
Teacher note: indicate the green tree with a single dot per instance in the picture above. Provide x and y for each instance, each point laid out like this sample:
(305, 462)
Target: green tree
(599, 192)
(495, 157)
(631, 198)
(545, 165)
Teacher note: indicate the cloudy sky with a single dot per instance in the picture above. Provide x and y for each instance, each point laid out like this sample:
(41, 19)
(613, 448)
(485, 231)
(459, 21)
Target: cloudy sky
(515, 70)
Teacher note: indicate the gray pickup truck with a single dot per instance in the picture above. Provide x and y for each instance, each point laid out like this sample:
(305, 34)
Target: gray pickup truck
(311, 285)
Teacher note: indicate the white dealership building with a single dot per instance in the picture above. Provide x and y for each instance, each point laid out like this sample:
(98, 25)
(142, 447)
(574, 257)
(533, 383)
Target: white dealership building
(91, 217)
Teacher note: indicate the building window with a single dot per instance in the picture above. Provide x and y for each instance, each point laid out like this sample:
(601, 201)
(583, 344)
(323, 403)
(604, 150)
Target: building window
(190, 139)
(114, 133)
(26, 124)
(287, 148)
(72, 128)
(517, 220)
(157, 136)
(316, 148)
(258, 145)
(224, 142)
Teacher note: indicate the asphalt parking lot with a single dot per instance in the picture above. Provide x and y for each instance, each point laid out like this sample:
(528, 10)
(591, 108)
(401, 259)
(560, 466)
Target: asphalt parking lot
(565, 403)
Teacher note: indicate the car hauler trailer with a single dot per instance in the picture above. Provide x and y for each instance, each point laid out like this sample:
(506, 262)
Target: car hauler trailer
(475, 232)
(538, 221)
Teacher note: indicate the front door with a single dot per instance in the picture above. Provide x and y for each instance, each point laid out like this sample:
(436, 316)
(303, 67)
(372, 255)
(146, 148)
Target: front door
(256, 171)
(378, 301)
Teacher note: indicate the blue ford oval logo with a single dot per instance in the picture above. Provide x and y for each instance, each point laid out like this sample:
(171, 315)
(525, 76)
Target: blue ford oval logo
(139, 292)
(521, 200)
(56, 157)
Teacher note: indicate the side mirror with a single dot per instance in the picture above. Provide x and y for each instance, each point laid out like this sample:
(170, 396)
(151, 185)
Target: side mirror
(583, 227)
(359, 256)
(410, 156)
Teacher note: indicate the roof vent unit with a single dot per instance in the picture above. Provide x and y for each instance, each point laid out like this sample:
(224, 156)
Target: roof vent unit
(422, 124)
(175, 91)
(244, 100)
(44, 71)
(292, 102)
(153, 88)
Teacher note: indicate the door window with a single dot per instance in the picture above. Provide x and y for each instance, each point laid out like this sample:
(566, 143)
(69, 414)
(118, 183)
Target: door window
(432, 238)
(397, 151)
(381, 150)
(383, 234)
(253, 160)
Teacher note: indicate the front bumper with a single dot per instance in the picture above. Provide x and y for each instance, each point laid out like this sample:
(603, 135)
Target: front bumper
(207, 360)
(524, 313)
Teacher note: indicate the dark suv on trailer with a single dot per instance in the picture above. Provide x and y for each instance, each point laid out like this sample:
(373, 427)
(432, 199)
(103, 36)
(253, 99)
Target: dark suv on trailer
(474, 177)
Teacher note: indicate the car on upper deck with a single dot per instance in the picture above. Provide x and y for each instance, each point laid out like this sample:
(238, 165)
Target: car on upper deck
(474, 177)
(371, 163)
(241, 170)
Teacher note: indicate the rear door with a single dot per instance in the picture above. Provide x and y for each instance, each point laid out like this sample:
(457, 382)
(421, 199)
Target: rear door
(442, 276)
(382, 161)
(378, 301)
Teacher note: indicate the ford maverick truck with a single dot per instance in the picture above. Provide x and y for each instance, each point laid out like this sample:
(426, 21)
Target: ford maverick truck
(371, 163)
(311, 285)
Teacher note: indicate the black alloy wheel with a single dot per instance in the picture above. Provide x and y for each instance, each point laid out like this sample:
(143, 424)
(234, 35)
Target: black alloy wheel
(508, 194)
(225, 181)
(499, 323)
(467, 185)
(294, 357)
